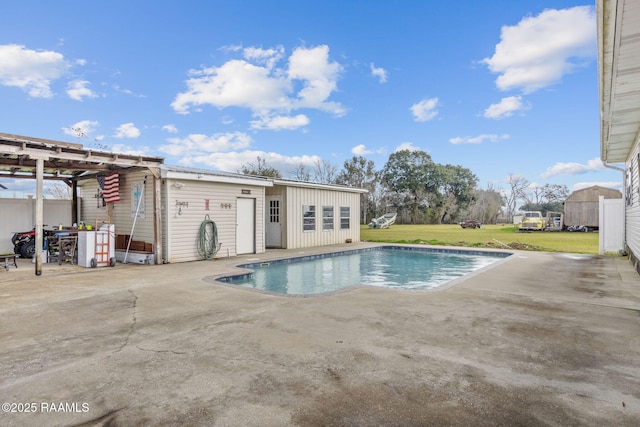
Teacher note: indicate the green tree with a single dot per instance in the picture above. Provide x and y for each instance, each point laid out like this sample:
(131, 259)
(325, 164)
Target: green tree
(360, 173)
(412, 177)
(455, 191)
(260, 168)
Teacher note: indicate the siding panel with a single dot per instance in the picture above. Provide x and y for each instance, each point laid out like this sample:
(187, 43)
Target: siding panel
(632, 211)
(297, 197)
(187, 209)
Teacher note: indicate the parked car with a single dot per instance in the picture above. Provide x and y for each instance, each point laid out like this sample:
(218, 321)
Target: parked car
(470, 223)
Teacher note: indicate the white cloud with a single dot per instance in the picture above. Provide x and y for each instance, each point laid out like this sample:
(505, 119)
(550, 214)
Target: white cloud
(237, 83)
(407, 146)
(267, 90)
(505, 108)
(127, 130)
(617, 185)
(117, 88)
(234, 160)
(268, 57)
(478, 139)
(425, 110)
(231, 48)
(78, 89)
(81, 129)
(170, 128)
(573, 168)
(380, 73)
(319, 78)
(360, 150)
(30, 70)
(280, 122)
(539, 50)
(199, 145)
(125, 149)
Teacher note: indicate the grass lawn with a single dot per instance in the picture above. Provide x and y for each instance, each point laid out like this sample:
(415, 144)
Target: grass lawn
(489, 236)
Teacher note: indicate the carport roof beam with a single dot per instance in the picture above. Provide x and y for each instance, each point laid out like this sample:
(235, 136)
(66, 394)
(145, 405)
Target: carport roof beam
(18, 154)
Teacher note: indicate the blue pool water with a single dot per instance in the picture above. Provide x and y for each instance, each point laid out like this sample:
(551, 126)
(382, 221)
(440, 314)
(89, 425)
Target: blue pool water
(394, 267)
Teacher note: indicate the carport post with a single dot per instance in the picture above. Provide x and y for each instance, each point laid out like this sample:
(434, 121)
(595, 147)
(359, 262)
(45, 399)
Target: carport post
(39, 213)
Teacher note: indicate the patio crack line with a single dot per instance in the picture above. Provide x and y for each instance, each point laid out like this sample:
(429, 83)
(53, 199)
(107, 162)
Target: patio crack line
(160, 351)
(134, 320)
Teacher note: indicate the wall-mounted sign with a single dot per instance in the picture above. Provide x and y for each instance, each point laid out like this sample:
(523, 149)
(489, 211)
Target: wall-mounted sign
(137, 200)
(246, 191)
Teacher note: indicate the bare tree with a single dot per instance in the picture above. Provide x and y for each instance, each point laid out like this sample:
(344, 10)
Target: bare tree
(301, 173)
(517, 188)
(555, 193)
(486, 206)
(548, 198)
(59, 190)
(325, 172)
(534, 195)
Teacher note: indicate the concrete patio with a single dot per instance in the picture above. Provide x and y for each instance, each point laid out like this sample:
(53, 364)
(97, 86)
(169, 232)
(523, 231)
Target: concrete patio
(540, 339)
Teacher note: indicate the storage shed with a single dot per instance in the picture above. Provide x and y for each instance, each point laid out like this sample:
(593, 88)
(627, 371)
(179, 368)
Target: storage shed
(304, 214)
(582, 206)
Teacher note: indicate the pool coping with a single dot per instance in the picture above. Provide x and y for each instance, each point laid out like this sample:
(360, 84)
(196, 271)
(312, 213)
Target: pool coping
(246, 268)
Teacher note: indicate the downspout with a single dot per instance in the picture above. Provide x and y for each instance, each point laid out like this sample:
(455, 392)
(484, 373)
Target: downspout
(607, 165)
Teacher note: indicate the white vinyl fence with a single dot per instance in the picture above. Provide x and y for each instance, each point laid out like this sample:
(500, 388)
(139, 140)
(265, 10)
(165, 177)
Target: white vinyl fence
(20, 215)
(611, 227)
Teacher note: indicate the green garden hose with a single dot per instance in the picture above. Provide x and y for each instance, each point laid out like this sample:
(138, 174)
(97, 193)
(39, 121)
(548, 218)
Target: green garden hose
(208, 239)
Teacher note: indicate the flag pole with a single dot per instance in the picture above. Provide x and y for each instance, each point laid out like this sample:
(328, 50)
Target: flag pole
(144, 185)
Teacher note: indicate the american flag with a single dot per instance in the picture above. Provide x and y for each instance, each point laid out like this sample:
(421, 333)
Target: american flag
(110, 185)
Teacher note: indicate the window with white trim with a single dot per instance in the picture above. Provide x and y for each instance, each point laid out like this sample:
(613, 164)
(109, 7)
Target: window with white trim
(308, 218)
(327, 218)
(345, 217)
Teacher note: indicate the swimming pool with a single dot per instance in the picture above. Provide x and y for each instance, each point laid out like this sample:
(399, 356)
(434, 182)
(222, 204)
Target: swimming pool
(398, 267)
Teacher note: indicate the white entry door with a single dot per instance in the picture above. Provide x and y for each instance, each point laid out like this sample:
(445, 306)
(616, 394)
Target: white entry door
(245, 226)
(273, 223)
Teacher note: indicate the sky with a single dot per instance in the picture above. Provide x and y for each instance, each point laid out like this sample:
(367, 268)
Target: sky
(497, 86)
